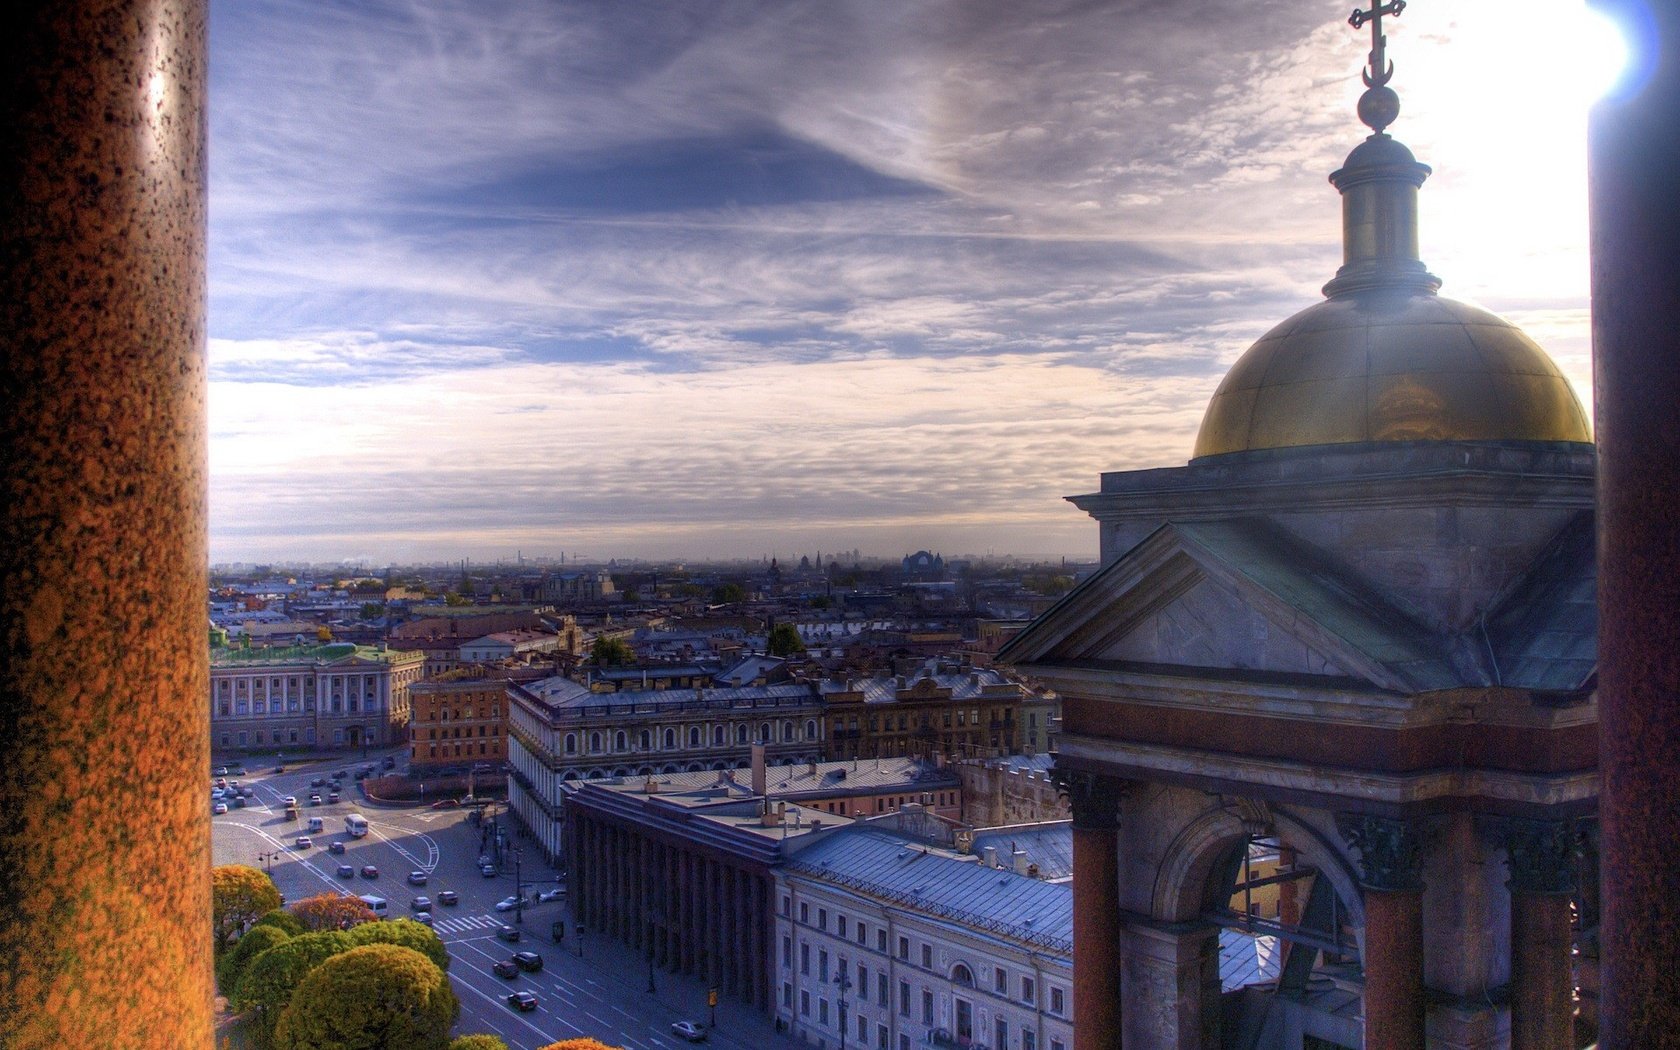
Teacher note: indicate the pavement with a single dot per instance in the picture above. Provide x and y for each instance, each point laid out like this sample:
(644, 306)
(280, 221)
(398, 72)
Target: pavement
(600, 992)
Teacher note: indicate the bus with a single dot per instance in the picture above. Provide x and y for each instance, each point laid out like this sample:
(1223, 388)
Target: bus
(356, 825)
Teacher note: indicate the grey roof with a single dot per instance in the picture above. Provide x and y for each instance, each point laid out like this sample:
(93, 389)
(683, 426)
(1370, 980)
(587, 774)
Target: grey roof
(964, 685)
(1048, 844)
(562, 692)
(878, 864)
(1245, 960)
(1544, 634)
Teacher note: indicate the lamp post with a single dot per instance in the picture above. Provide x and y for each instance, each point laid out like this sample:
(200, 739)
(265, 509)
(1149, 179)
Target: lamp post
(518, 889)
(364, 742)
(845, 983)
(267, 860)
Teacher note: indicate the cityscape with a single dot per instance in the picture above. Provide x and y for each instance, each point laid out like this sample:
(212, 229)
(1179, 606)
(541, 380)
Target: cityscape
(561, 528)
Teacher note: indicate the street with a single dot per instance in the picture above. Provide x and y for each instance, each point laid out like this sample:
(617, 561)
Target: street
(597, 988)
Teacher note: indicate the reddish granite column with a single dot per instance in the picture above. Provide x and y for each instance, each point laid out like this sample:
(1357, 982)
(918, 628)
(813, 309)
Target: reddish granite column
(1096, 911)
(1634, 152)
(1541, 856)
(104, 679)
(1389, 861)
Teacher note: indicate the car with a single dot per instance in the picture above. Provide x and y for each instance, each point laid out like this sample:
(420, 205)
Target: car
(416, 878)
(247, 792)
(505, 968)
(217, 793)
(508, 934)
(530, 962)
(390, 763)
(314, 800)
(370, 871)
(218, 809)
(279, 769)
(220, 771)
(290, 800)
(449, 897)
(346, 871)
(339, 774)
(333, 796)
(303, 842)
(235, 786)
(221, 782)
(445, 803)
(522, 1001)
(238, 802)
(551, 895)
(335, 846)
(318, 782)
(507, 904)
(693, 1031)
(487, 870)
(236, 771)
(424, 918)
(420, 904)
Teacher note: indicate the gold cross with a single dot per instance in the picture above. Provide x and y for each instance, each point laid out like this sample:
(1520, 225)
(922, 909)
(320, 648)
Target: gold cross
(1377, 74)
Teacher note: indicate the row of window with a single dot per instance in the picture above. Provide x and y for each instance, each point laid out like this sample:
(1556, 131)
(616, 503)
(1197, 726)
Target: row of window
(963, 719)
(369, 683)
(484, 748)
(456, 732)
(225, 708)
(964, 1034)
(696, 736)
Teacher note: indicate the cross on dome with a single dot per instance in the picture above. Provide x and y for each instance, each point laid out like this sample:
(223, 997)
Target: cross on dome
(1379, 105)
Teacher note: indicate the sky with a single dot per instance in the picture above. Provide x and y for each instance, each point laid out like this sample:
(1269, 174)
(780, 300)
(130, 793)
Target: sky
(730, 278)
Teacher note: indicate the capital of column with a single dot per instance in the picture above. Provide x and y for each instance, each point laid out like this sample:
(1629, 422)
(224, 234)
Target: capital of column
(1390, 850)
(1541, 853)
(1095, 798)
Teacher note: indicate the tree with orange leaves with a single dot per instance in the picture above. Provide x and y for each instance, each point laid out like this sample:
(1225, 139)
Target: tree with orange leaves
(585, 1043)
(240, 895)
(331, 911)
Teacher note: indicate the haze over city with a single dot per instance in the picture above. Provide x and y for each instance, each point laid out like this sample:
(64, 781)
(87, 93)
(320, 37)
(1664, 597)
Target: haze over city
(710, 281)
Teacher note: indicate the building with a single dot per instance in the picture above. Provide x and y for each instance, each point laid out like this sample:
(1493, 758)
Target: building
(590, 585)
(1356, 633)
(321, 696)
(508, 646)
(1017, 789)
(936, 709)
(459, 721)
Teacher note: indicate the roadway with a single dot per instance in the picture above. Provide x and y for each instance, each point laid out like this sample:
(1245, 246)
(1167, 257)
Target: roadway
(597, 988)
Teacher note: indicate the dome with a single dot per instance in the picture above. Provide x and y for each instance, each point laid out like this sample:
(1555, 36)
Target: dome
(1391, 365)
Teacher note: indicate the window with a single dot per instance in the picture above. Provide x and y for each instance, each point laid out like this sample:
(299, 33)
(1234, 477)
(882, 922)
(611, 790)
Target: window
(904, 948)
(619, 741)
(670, 738)
(1002, 1034)
(804, 913)
(804, 958)
(881, 1036)
(840, 925)
(693, 736)
(881, 989)
(594, 741)
(862, 933)
(822, 966)
(805, 1004)
(822, 918)
(863, 983)
(1057, 1044)
(1000, 981)
(644, 740)
(863, 1028)
(1029, 1039)
(1027, 989)
(787, 904)
(787, 994)
(881, 941)
(927, 956)
(787, 952)
(822, 1011)
(1058, 1001)
(904, 998)
(927, 1007)
(717, 736)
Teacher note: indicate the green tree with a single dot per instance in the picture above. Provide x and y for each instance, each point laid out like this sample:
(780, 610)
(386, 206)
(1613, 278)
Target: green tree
(282, 919)
(785, 640)
(452, 598)
(239, 895)
(612, 652)
(821, 601)
(409, 934)
(477, 1042)
(373, 610)
(231, 966)
(274, 975)
(729, 593)
(376, 997)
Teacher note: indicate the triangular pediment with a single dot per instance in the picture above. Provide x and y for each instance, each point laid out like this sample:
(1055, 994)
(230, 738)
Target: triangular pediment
(1231, 597)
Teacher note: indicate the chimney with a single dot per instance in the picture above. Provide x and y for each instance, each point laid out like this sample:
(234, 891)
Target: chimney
(1020, 859)
(811, 767)
(649, 786)
(758, 777)
(988, 856)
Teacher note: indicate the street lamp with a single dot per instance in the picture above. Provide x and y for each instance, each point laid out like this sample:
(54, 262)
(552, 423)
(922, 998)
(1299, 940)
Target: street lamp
(267, 860)
(364, 741)
(845, 984)
(518, 889)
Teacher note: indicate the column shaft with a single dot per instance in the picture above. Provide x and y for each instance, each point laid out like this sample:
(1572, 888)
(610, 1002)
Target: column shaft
(1394, 1003)
(1541, 981)
(1096, 939)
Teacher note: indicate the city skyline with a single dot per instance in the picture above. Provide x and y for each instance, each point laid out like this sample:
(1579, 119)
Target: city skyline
(704, 283)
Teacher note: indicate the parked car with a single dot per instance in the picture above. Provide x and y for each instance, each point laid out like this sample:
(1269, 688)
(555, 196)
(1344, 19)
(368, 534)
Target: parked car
(318, 782)
(303, 842)
(507, 904)
(345, 871)
(220, 771)
(420, 904)
(370, 871)
(416, 878)
(238, 802)
(445, 803)
(449, 897)
(551, 895)
(693, 1031)
(508, 934)
(290, 800)
(236, 771)
(333, 796)
(487, 870)
(504, 968)
(335, 846)
(522, 1001)
(314, 800)
(279, 769)
(530, 962)
(390, 763)
(339, 774)
(219, 808)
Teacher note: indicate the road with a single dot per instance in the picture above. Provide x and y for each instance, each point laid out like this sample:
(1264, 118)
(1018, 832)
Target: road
(597, 989)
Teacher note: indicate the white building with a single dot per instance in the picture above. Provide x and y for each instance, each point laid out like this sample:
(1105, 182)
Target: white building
(339, 695)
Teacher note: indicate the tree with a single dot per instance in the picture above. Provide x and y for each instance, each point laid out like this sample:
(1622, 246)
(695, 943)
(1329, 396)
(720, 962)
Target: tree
(376, 997)
(239, 895)
(274, 975)
(282, 919)
(611, 652)
(785, 641)
(331, 911)
(373, 610)
(586, 1043)
(409, 934)
(477, 1042)
(729, 593)
(231, 966)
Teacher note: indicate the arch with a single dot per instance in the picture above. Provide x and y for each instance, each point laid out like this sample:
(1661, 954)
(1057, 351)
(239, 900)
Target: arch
(810, 729)
(695, 767)
(693, 736)
(645, 771)
(571, 743)
(670, 738)
(718, 737)
(620, 741)
(570, 774)
(669, 767)
(764, 736)
(719, 765)
(741, 733)
(620, 771)
(787, 731)
(962, 976)
(743, 764)
(595, 742)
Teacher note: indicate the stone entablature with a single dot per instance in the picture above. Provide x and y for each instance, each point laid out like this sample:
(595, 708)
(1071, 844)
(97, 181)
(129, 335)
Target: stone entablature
(324, 696)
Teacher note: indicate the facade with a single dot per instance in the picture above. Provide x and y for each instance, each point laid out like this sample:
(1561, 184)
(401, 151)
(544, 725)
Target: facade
(318, 697)
(504, 646)
(590, 585)
(932, 711)
(898, 945)
(1350, 648)
(459, 722)
(1012, 790)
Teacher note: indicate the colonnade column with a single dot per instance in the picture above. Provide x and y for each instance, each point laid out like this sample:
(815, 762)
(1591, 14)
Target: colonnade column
(1096, 906)
(1541, 854)
(1391, 877)
(104, 670)
(1171, 975)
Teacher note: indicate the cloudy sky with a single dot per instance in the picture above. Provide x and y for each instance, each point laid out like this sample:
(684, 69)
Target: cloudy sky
(735, 277)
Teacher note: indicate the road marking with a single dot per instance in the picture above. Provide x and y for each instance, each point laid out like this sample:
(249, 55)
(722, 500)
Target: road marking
(432, 851)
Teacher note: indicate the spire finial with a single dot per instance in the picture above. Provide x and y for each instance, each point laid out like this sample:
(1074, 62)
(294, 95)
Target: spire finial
(1379, 105)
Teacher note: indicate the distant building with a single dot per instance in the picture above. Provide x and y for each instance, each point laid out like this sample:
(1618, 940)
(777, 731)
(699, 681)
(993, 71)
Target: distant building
(504, 646)
(1013, 790)
(935, 710)
(591, 585)
(923, 566)
(458, 722)
(311, 696)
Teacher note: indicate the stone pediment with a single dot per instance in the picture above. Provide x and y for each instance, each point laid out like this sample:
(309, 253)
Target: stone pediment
(1235, 596)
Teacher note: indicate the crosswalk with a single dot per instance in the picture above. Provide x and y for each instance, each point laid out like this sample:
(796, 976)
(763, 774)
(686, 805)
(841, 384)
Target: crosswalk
(465, 924)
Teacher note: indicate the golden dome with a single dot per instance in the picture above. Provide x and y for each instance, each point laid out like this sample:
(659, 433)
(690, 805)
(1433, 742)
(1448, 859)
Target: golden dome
(1391, 365)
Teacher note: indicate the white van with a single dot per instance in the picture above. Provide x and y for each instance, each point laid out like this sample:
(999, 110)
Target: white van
(377, 904)
(356, 825)
(316, 824)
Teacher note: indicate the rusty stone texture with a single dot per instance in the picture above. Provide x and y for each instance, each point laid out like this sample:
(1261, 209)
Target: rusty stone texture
(104, 743)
